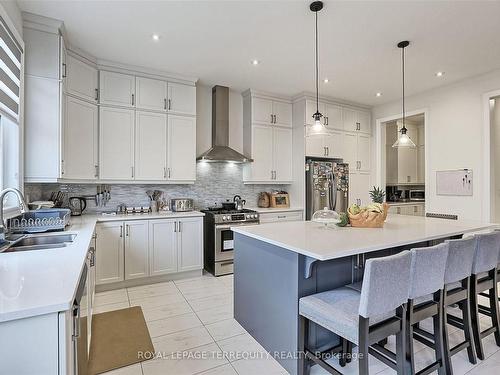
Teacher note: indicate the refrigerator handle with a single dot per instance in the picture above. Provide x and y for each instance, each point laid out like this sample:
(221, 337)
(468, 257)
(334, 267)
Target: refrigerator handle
(333, 191)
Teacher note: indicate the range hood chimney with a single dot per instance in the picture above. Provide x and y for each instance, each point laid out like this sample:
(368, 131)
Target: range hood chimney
(220, 151)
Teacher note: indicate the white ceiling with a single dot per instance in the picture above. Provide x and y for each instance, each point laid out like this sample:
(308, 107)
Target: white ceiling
(216, 40)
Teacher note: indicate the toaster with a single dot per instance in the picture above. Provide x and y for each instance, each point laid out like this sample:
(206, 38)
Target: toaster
(181, 204)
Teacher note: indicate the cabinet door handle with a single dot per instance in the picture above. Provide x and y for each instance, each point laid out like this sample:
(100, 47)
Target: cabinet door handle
(121, 231)
(96, 171)
(127, 229)
(62, 167)
(169, 104)
(133, 99)
(175, 226)
(64, 75)
(132, 168)
(328, 151)
(96, 95)
(272, 118)
(180, 226)
(168, 172)
(165, 103)
(164, 172)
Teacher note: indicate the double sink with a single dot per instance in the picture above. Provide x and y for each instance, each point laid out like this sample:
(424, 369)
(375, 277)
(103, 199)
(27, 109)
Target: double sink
(29, 242)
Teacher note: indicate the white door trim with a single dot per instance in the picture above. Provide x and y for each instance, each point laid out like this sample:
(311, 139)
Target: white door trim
(486, 199)
(379, 179)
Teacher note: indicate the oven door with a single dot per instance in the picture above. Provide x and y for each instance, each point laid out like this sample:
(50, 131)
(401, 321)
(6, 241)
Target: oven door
(224, 241)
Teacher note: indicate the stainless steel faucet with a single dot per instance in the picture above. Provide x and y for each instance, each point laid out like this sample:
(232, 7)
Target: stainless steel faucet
(22, 207)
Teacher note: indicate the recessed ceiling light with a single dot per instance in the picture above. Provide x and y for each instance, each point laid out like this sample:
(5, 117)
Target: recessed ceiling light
(255, 62)
(156, 37)
(378, 94)
(439, 74)
(326, 80)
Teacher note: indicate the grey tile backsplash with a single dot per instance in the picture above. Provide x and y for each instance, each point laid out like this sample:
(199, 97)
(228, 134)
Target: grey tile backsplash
(215, 182)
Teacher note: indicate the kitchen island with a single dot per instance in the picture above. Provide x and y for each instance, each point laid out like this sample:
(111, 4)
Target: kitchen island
(278, 263)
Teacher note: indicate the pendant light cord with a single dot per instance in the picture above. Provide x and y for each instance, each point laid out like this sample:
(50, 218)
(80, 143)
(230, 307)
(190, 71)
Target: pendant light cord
(317, 69)
(403, 68)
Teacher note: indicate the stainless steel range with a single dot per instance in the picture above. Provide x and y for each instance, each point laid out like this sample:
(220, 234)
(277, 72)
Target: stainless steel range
(218, 237)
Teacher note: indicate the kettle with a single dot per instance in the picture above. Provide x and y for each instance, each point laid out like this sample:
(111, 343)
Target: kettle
(77, 205)
(238, 202)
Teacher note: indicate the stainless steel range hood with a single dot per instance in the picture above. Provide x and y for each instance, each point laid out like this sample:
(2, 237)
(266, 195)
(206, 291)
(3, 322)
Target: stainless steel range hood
(220, 150)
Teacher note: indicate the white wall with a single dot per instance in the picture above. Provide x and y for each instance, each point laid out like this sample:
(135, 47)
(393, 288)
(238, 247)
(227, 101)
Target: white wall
(495, 154)
(454, 137)
(10, 7)
(204, 119)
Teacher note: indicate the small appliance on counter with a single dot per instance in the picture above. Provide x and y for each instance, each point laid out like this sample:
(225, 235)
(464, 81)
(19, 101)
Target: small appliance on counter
(77, 205)
(417, 195)
(181, 204)
(263, 201)
(279, 199)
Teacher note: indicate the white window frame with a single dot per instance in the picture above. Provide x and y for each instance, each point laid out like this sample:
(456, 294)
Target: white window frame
(14, 211)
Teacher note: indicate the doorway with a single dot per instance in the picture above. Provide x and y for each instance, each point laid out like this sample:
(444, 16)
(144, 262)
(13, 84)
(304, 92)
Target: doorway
(402, 171)
(494, 126)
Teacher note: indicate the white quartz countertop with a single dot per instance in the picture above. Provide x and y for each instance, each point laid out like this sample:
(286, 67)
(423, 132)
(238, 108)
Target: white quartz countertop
(44, 281)
(311, 239)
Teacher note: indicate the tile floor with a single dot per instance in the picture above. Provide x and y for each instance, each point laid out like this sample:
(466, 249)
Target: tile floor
(192, 327)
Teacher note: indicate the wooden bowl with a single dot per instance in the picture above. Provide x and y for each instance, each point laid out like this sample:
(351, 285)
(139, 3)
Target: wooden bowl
(367, 219)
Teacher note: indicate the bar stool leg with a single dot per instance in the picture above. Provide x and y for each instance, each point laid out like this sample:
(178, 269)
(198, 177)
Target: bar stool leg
(343, 353)
(349, 351)
(410, 358)
(303, 367)
(437, 322)
(446, 341)
(401, 342)
(466, 316)
(495, 319)
(364, 326)
(476, 328)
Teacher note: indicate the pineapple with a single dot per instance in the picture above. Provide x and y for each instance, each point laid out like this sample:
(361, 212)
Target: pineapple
(377, 195)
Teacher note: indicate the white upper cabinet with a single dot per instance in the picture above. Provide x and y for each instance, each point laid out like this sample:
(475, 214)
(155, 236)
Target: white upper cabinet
(333, 116)
(80, 140)
(350, 150)
(116, 143)
(282, 154)
(117, 89)
(356, 120)
(282, 113)
(315, 146)
(151, 94)
(181, 99)
(359, 188)
(262, 154)
(334, 145)
(81, 79)
(150, 146)
(272, 112)
(364, 152)
(181, 148)
(42, 57)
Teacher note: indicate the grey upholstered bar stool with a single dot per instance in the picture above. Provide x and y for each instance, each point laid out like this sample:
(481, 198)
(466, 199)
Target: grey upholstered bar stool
(362, 318)
(456, 291)
(425, 300)
(484, 279)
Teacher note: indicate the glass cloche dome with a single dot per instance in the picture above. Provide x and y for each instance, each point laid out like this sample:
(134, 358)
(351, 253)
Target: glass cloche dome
(326, 216)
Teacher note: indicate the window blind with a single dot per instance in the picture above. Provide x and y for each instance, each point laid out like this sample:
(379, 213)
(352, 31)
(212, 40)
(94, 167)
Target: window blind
(10, 71)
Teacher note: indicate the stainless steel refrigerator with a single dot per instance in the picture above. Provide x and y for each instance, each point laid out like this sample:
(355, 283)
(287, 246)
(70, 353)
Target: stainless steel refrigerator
(327, 185)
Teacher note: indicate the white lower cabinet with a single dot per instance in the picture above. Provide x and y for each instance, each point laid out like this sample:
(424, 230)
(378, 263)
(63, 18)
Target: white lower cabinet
(162, 247)
(109, 252)
(135, 249)
(408, 209)
(190, 244)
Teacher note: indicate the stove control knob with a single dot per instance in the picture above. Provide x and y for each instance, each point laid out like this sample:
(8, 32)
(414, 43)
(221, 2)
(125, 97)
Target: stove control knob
(254, 216)
(224, 218)
(249, 216)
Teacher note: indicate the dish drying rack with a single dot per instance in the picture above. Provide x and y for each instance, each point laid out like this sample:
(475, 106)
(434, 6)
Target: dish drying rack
(39, 221)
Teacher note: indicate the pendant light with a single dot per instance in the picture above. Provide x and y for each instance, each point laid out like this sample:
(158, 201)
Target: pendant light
(318, 128)
(403, 141)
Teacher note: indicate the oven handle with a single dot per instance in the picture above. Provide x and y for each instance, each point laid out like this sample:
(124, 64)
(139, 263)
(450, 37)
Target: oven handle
(228, 226)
